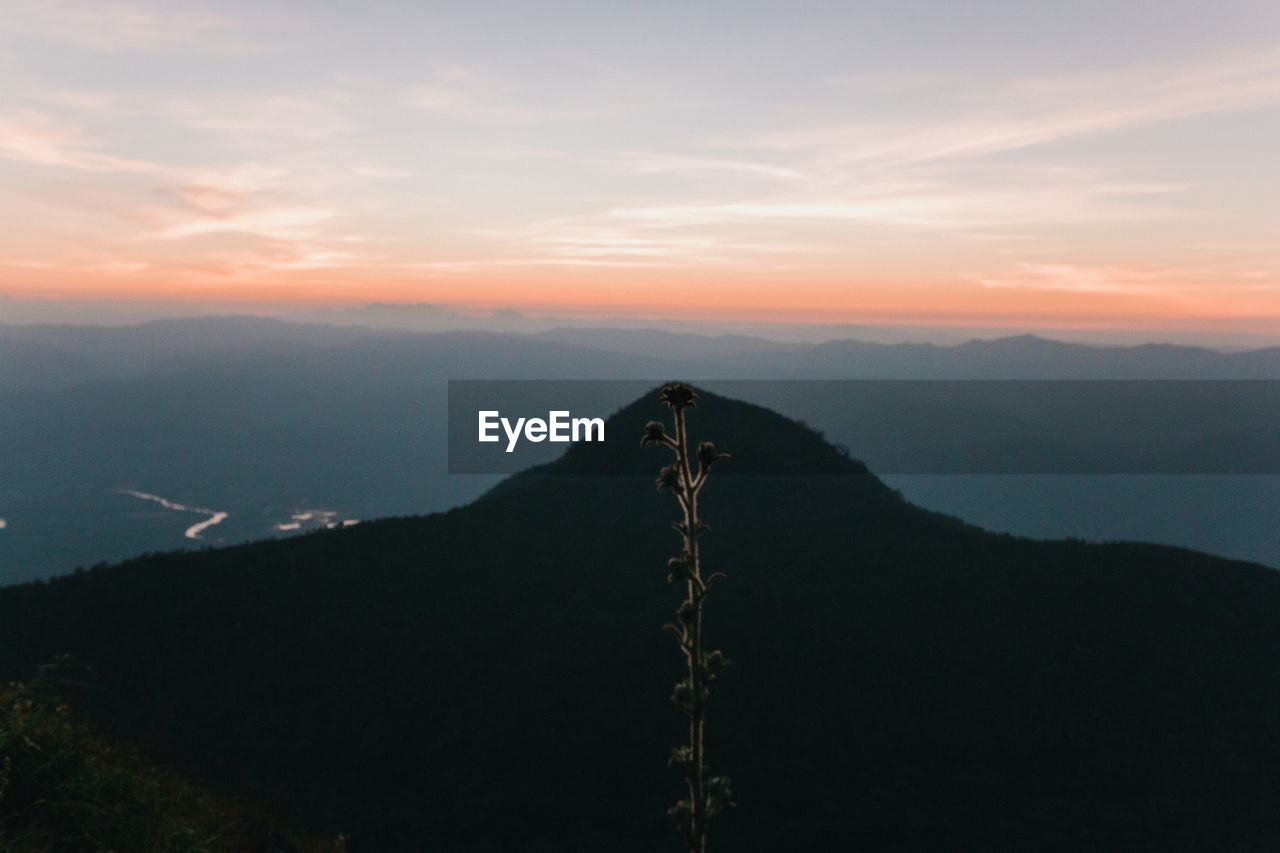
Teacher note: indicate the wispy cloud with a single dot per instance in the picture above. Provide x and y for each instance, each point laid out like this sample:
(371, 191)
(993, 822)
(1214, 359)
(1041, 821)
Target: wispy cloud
(987, 118)
(307, 157)
(252, 216)
(34, 137)
(250, 119)
(118, 267)
(114, 26)
(648, 163)
(618, 241)
(279, 223)
(466, 95)
(942, 171)
(918, 205)
(514, 263)
(1077, 278)
(84, 100)
(37, 138)
(801, 222)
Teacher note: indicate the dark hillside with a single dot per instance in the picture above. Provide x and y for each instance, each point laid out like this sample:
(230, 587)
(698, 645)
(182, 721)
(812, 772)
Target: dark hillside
(495, 677)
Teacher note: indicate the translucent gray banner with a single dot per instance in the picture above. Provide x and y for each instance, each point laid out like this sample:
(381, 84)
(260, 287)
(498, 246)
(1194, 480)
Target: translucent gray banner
(894, 426)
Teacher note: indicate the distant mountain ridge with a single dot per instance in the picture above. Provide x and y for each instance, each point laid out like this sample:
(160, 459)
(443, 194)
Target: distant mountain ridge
(233, 414)
(50, 356)
(494, 677)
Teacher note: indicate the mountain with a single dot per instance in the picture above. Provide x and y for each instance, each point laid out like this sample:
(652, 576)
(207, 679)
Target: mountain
(266, 420)
(265, 428)
(56, 356)
(1018, 357)
(495, 677)
(427, 317)
(47, 357)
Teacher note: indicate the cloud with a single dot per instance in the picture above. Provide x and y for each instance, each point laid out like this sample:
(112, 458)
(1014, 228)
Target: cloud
(647, 163)
(255, 212)
(818, 225)
(118, 267)
(465, 95)
(113, 26)
(94, 100)
(280, 223)
(931, 204)
(617, 241)
(1077, 278)
(381, 173)
(942, 171)
(439, 269)
(34, 137)
(991, 119)
(250, 119)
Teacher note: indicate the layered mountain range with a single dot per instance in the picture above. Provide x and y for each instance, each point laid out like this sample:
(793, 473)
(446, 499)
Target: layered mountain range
(265, 421)
(495, 677)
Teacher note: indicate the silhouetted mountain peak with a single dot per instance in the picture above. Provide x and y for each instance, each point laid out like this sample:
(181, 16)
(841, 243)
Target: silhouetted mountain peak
(1017, 343)
(899, 682)
(759, 441)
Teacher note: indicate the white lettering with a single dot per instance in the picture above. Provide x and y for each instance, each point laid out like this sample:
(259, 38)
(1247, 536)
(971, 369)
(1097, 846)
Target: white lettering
(513, 435)
(487, 423)
(559, 425)
(587, 424)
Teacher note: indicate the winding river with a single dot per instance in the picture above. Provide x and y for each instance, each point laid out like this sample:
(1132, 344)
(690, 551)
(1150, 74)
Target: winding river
(192, 532)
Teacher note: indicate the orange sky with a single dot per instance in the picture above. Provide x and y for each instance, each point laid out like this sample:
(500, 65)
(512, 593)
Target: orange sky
(753, 297)
(962, 166)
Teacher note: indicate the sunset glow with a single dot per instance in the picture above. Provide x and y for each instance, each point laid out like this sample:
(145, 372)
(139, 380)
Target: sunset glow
(1004, 163)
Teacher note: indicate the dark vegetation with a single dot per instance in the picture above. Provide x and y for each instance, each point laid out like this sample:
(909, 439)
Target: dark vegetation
(492, 678)
(65, 789)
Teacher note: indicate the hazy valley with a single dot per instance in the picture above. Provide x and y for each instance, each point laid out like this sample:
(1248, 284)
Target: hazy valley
(265, 420)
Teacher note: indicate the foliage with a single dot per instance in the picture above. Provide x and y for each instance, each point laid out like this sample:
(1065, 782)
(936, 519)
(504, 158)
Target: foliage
(65, 788)
(708, 796)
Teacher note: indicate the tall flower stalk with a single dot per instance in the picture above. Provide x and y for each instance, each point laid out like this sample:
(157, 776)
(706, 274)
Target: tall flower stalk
(708, 795)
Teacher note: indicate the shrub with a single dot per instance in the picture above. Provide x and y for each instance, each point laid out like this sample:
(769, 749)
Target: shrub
(65, 788)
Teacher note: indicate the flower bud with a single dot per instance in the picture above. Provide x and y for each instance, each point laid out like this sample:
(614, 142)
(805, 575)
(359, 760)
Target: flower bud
(688, 610)
(719, 797)
(669, 478)
(678, 396)
(653, 433)
(682, 695)
(682, 814)
(678, 570)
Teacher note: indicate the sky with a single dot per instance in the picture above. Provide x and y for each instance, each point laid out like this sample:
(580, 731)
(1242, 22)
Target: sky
(1076, 164)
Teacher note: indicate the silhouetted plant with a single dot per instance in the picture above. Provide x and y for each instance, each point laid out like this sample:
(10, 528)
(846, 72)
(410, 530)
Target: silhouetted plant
(708, 796)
